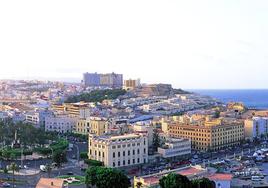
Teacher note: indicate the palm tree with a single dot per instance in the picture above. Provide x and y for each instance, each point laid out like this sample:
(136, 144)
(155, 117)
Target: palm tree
(13, 167)
(48, 169)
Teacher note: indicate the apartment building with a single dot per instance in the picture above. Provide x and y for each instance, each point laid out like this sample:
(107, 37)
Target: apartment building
(256, 127)
(119, 151)
(213, 135)
(112, 80)
(60, 124)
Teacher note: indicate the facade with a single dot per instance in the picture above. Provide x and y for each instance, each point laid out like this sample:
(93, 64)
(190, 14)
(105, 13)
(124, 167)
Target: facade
(119, 151)
(209, 135)
(131, 84)
(93, 125)
(175, 148)
(82, 126)
(98, 126)
(112, 80)
(60, 124)
(256, 127)
(79, 110)
(91, 79)
(37, 118)
(145, 129)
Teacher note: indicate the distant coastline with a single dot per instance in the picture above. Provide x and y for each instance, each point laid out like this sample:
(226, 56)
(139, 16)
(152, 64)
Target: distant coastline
(252, 98)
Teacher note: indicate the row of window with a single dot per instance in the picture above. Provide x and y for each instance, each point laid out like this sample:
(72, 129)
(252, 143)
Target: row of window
(128, 153)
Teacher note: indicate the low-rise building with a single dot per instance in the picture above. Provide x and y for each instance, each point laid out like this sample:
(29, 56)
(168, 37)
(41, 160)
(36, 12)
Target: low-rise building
(174, 148)
(119, 151)
(191, 172)
(50, 183)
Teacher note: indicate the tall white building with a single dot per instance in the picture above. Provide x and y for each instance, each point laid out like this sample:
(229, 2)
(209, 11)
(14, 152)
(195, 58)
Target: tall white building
(256, 127)
(119, 151)
(60, 124)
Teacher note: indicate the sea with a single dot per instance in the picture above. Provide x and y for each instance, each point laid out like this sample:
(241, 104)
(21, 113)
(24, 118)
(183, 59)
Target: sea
(252, 98)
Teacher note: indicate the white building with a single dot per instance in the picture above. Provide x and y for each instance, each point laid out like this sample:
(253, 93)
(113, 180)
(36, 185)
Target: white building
(256, 127)
(119, 151)
(145, 128)
(37, 118)
(175, 148)
(60, 124)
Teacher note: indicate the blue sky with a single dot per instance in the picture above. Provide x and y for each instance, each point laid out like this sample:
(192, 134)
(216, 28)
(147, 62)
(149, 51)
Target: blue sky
(190, 44)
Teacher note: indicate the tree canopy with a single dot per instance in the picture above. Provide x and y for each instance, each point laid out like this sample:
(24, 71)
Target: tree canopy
(103, 177)
(173, 180)
(96, 96)
(203, 183)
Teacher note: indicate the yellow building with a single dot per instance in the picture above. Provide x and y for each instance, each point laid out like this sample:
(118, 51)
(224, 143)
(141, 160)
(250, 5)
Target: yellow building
(212, 135)
(99, 126)
(73, 109)
(82, 126)
(93, 125)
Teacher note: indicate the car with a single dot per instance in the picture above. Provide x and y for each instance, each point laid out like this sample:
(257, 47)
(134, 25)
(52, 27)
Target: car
(70, 173)
(5, 184)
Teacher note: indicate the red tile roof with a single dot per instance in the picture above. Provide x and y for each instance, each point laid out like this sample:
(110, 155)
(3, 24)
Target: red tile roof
(222, 177)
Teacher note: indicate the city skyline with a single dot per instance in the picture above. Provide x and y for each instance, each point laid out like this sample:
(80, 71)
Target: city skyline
(191, 45)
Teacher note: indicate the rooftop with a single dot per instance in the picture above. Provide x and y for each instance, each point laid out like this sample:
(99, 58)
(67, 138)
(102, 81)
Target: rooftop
(50, 183)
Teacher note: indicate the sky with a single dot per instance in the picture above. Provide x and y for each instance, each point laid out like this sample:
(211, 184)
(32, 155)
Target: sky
(189, 44)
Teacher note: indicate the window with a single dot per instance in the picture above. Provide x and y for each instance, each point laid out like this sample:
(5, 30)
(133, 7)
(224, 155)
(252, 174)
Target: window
(133, 152)
(138, 151)
(118, 163)
(124, 162)
(128, 162)
(144, 150)
(119, 154)
(102, 154)
(133, 161)
(128, 153)
(124, 153)
(138, 160)
(113, 164)
(113, 154)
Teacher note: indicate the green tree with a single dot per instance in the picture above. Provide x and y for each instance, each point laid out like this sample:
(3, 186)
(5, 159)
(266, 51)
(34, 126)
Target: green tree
(83, 155)
(102, 177)
(203, 183)
(59, 157)
(174, 181)
(14, 168)
(156, 140)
